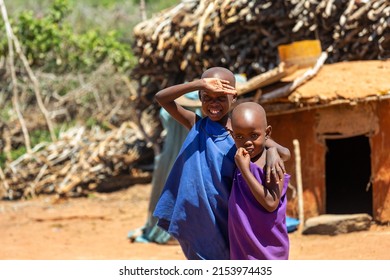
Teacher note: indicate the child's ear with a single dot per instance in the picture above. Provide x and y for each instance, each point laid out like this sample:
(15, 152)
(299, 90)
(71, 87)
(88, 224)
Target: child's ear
(268, 131)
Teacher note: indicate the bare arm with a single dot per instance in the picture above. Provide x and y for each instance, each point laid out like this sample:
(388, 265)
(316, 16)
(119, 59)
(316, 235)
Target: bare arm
(276, 155)
(268, 196)
(283, 152)
(166, 97)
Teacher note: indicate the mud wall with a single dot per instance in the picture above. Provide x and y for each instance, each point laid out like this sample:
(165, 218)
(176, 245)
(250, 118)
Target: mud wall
(380, 164)
(312, 127)
(301, 126)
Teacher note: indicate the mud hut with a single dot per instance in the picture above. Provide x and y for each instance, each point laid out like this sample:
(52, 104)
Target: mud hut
(341, 118)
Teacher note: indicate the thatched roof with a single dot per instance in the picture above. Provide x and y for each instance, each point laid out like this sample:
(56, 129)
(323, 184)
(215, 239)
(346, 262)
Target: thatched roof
(354, 80)
(343, 82)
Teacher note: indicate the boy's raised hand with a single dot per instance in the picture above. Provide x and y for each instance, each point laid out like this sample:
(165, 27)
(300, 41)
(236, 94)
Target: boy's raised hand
(215, 85)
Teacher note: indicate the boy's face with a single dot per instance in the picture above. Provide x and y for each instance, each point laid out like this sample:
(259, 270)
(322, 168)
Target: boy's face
(250, 133)
(216, 106)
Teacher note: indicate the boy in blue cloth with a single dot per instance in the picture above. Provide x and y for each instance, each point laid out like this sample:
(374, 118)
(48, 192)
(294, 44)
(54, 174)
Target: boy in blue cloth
(193, 206)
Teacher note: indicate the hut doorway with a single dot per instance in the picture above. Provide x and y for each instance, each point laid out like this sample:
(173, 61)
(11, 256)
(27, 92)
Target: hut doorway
(348, 173)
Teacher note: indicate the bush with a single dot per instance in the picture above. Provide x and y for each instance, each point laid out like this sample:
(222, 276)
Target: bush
(50, 43)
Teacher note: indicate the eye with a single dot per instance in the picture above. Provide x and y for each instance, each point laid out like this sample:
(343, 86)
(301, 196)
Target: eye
(239, 137)
(206, 98)
(255, 136)
(222, 98)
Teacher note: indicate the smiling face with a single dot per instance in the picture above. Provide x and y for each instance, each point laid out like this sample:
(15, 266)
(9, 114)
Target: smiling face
(250, 128)
(217, 105)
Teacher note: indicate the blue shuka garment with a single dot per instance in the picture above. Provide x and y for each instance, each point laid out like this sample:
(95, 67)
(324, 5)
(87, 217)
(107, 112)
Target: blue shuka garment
(193, 206)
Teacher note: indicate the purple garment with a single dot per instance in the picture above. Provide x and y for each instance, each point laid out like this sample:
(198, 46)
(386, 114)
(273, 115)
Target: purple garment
(254, 232)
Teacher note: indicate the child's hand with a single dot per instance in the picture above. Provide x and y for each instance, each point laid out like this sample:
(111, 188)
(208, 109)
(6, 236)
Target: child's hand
(215, 85)
(242, 159)
(274, 165)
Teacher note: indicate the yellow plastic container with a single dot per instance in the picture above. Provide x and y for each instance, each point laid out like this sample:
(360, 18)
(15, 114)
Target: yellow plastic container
(301, 53)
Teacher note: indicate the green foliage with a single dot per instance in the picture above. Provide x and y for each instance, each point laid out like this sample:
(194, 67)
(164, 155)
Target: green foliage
(38, 136)
(39, 36)
(93, 122)
(158, 4)
(15, 153)
(50, 43)
(60, 9)
(62, 36)
(2, 160)
(154, 6)
(6, 111)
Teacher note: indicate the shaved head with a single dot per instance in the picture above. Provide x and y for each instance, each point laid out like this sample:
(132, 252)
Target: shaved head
(249, 112)
(220, 73)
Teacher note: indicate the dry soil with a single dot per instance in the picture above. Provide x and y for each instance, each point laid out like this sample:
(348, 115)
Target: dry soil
(96, 227)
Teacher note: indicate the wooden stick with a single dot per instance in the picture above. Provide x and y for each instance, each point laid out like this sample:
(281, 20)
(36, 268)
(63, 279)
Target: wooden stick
(7, 136)
(287, 89)
(202, 23)
(15, 94)
(36, 87)
(298, 175)
(262, 80)
(3, 180)
(142, 8)
(11, 37)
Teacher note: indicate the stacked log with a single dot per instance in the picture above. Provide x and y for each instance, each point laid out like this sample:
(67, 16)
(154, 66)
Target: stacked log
(180, 43)
(81, 161)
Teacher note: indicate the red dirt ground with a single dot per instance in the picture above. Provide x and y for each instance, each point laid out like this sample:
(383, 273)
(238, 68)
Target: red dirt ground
(95, 228)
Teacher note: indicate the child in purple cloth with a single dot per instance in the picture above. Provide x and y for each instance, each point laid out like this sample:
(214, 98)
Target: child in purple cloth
(257, 209)
(193, 206)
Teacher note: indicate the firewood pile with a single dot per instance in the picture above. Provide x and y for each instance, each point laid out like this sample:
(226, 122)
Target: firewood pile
(180, 43)
(81, 161)
(84, 159)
